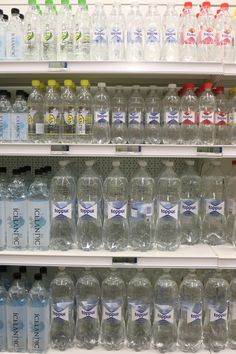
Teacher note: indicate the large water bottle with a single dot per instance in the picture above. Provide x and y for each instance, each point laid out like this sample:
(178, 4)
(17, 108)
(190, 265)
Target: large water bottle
(115, 196)
(135, 34)
(81, 28)
(2, 36)
(142, 209)
(16, 213)
(3, 317)
(65, 32)
(119, 117)
(14, 37)
(51, 109)
(139, 300)
(62, 311)
(170, 34)
(101, 105)
(168, 232)
(5, 117)
(3, 194)
(214, 218)
(38, 213)
(63, 197)
(190, 318)
(171, 116)
(207, 107)
(113, 303)
(35, 113)
(49, 32)
(17, 316)
(231, 204)
(89, 227)
(116, 37)
(222, 133)
(38, 317)
(68, 113)
(164, 333)
(99, 34)
(136, 107)
(152, 127)
(232, 116)
(20, 118)
(215, 329)
(190, 204)
(224, 35)
(87, 304)
(32, 32)
(188, 40)
(84, 107)
(152, 34)
(232, 314)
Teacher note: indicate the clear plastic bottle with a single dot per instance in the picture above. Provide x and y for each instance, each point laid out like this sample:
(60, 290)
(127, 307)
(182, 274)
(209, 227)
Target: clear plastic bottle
(170, 34)
(14, 37)
(232, 314)
(99, 34)
(68, 113)
(152, 34)
(119, 117)
(190, 220)
(31, 32)
(171, 116)
(152, 127)
(136, 107)
(139, 301)
(231, 204)
(115, 197)
(101, 106)
(135, 34)
(215, 329)
(3, 317)
(224, 35)
(49, 32)
(116, 37)
(142, 209)
(19, 118)
(113, 299)
(188, 30)
(232, 115)
(5, 117)
(81, 32)
(38, 214)
(2, 36)
(45, 279)
(62, 295)
(52, 108)
(164, 332)
(84, 107)
(65, 32)
(35, 113)
(38, 317)
(190, 318)
(87, 305)
(17, 316)
(222, 133)
(63, 197)
(207, 107)
(168, 232)
(3, 194)
(89, 227)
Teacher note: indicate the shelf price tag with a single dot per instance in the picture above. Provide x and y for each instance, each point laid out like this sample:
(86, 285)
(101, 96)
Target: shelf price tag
(136, 149)
(58, 66)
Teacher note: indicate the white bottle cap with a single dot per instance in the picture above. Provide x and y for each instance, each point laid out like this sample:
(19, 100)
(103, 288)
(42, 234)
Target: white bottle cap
(152, 87)
(61, 269)
(168, 163)
(115, 163)
(142, 163)
(102, 84)
(189, 162)
(172, 86)
(136, 87)
(216, 162)
(64, 163)
(166, 270)
(89, 163)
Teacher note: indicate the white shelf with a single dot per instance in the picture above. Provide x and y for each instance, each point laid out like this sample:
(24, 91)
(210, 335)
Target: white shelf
(226, 256)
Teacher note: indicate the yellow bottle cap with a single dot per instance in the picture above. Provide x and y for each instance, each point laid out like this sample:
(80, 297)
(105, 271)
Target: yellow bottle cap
(35, 83)
(84, 83)
(52, 83)
(68, 83)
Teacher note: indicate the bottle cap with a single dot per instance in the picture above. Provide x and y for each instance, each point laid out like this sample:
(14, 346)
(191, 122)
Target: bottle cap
(188, 4)
(168, 163)
(15, 171)
(15, 11)
(61, 269)
(84, 83)
(220, 88)
(172, 86)
(22, 17)
(89, 163)
(189, 162)
(38, 276)
(224, 5)
(234, 162)
(64, 163)
(5, 17)
(20, 93)
(136, 87)
(188, 86)
(35, 83)
(115, 163)
(152, 87)
(142, 163)
(206, 4)
(37, 172)
(207, 85)
(22, 269)
(43, 270)
(17, 276)
(3, 268)
(68, 83)
(1, 12)
(102, 84)
(3, 170)
(52, 83)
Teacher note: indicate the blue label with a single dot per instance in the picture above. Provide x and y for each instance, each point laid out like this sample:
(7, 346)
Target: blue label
(153, 118)
(99, 36)
(164, 314)
(135, 117)
(101, 116)
(117, 35)
(152, 35)
(215, 207)
(189, 207)
(170, 35)
(2, 45)
(142, 210)
(19, 126)
(116, 210)
(88, 210)
(168, 211)
(135, 36)
(118, 117)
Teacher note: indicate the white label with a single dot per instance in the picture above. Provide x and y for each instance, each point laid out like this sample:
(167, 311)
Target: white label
(188, 117)
(62, 209)
(2, 224)
(218, 315)
(19, 127)
(117, 35)
(101, 116)
(118, 117)
(5, 126)
(61, 311)
(207, 36)
(190, 36)
(99, 35)
(111, 311)
(194, 313)
(52, 117)
(153, 118)
(116, 210)
(16, 225)
(215, 207)
(88, 210)
(189, 207)
(163, 314)
(172, 117)
(135, 117)
(39, 128)
(206, 117)
(38, 225)
(168, 210)
(140, 312)
(152, 35)
(88, 310)
(84, 122)
(15, 45)
(141, 210)
(170, 35)
(221, 118)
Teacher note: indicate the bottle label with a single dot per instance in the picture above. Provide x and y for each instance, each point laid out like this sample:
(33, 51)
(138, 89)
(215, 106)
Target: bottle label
(188, 117)
(117, 35)
(194, 313)
(99, 35)
(52, 117)
(39, 128)
(135, 117)
(190, 36)
(172, 117)
(140, 312)
(88, 310)
(84, 122)
(215, 207)
(221, 118)
(69, 117)
(111, 311)
(62, 210)
(64, 37)
(38, 214)
(163, 314)
(224, 37)
(135, 36)
(5, 130)
(30, 37)
(38, 323)
(31, 116)
(189, 207)
(207, 36)
(116, 210)
(168, 210)
(101, 116)
(16, 226)
(152, 35)
(88, 210)
(170, 35)
(61, 311)
(81, 38)
(153, 118)
(142, 211)
(118, 117)
(20, 127)
(219, 315)
(206, 117)
(16, 316)
(2, 226)
(15, 45)
(48, 37)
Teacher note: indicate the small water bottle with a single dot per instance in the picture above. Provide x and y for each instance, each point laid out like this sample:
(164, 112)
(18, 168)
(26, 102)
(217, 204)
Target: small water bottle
(20, 118)
(170, 34)
(152, 127)
(152, 34)
(136, 107)
(116, 37)
(14, 37)
(99, 34)
(2, 37)
(119, 117)
(232, 314)
(135, 34)
(101, 105)
(32, 32)
(35, 113)
(5, 117)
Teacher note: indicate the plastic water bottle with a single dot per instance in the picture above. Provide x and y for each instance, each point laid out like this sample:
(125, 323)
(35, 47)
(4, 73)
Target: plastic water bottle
(52, 108)
(3, 193)
(135, 34)
(142, 209)
(152, 127)
(2, 37)
(32, 32)
(190, 318)
(190, 204)
(222, 133)
(168, 233)
(16, 213)
(89, 227)
(136, 107)
(38, 214)
(119, 117)
(115, 196)
(232, 115)
(152, 34)
(65, 32)
(17, 316)
(20, 118)
(164, 333)
(38, 317)
(99, 34)
(101, 105)
(4, 276)
(214, 219)
(68, 113)
(14, 37)
(188, 39)
(44, 272)
(170, 34)
(224, 35)
(24, 278)
(189, 116)
(215, 329)
(207, 107)
(231, 204)
(35, 113)
(63, 196)
(87, 304)
(232, 314)
(84, 107)
(5, 117)
(3, 317)
(139, 299)
(62, 311)
(113, 302)
(116, 37)
(49, 32)
(171, 116)
(81, 28)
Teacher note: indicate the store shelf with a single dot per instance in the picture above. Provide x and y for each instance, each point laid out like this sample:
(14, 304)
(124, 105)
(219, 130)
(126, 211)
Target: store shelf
(226, 256)
(101, 350)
